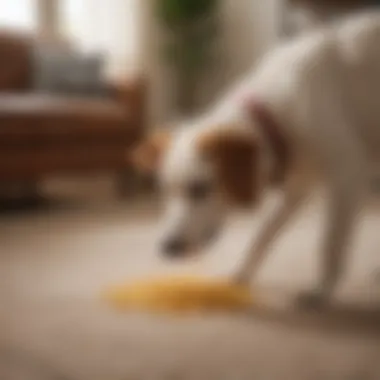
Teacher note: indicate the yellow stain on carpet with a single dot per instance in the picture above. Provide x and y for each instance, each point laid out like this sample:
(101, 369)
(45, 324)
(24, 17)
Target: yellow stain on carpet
(180, 294)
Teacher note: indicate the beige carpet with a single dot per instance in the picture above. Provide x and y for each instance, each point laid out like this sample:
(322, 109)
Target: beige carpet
(53, 264)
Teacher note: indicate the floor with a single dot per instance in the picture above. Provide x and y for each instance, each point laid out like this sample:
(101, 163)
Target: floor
(54, 263)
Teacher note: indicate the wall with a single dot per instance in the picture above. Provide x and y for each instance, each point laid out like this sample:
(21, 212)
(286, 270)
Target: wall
(249, 29)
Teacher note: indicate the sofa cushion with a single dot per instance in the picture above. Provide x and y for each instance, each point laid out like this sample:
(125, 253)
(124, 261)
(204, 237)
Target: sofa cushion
(40, 118)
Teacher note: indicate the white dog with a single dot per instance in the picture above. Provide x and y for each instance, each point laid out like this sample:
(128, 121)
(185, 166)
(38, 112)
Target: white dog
(308, 114)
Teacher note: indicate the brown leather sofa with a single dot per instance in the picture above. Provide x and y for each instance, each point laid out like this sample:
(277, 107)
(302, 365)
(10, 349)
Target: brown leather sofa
(48, 135)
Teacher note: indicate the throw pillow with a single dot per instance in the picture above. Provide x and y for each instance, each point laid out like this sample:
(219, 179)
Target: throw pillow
(67, 72)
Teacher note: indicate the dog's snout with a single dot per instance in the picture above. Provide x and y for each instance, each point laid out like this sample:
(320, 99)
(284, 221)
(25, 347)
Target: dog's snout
(173, 247)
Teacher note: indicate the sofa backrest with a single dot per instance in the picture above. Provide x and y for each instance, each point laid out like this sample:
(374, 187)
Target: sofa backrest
(15, 61)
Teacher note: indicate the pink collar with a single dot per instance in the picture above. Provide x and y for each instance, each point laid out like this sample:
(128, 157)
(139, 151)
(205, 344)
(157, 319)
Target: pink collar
(272, 132)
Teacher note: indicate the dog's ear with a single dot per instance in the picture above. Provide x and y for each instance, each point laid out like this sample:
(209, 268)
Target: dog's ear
(235, 160)
(148, 154)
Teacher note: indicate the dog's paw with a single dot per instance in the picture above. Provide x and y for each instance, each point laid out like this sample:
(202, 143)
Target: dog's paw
(312, 300)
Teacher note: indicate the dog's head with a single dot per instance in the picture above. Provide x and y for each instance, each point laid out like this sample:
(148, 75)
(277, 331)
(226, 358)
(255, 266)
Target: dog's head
(201, 174)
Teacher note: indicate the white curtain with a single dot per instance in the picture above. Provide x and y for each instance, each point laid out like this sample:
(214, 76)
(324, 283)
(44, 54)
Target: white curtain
(108, 26)
(18, 14)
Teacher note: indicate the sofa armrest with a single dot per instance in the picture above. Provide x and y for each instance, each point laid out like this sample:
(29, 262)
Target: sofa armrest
(132, 94)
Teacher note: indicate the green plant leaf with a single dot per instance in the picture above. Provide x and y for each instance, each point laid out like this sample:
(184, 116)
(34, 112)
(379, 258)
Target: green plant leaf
(192, 28)
(176, 12)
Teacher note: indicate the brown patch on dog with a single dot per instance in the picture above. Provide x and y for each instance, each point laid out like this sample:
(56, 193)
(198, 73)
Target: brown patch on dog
(147, 155)
(235, 159)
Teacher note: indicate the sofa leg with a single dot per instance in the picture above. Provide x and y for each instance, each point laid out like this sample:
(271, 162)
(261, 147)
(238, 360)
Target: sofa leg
(130, 183)
(20, 195)
(33, 189)
(21, 189)
(126, 183)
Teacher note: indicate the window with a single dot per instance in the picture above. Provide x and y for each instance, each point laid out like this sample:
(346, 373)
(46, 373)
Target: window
(107, 26)
(18, 14)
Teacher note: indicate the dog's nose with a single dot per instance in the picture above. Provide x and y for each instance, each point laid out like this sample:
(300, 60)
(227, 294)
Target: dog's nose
(173, 247)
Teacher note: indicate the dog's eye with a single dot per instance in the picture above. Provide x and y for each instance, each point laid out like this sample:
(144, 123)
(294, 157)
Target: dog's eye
(199, 190)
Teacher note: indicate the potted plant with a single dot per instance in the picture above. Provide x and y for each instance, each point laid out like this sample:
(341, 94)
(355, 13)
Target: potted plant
(191, 31)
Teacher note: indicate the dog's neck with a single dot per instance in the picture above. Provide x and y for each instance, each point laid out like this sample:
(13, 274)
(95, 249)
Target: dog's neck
(249, 116)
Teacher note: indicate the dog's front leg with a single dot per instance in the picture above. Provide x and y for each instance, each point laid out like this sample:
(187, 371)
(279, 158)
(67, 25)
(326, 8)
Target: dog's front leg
(290, 203)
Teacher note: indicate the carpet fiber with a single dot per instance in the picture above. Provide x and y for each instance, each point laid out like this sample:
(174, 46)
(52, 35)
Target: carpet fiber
(53, 265)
